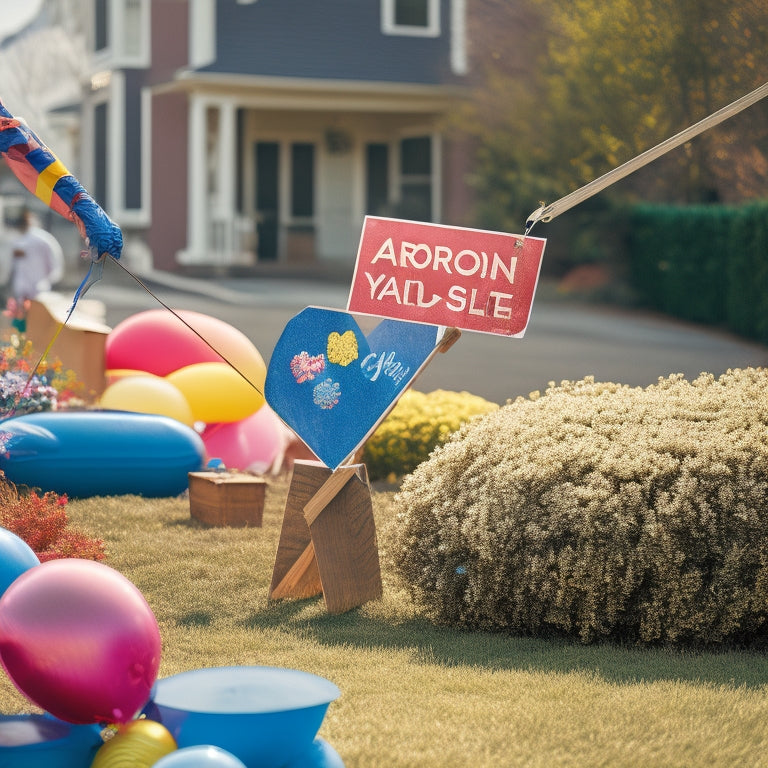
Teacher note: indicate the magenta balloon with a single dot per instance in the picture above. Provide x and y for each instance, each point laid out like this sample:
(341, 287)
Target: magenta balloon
(253, 443)
(158, 342)
(80, 641)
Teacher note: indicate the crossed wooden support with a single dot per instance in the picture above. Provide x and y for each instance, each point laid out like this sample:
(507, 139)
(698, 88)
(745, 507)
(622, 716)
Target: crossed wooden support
(328, 539)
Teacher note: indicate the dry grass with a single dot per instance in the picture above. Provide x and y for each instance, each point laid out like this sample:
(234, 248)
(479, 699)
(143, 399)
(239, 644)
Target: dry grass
(414, 694)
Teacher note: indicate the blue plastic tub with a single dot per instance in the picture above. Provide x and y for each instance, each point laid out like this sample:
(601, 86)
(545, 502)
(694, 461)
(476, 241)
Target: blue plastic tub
(43, 741)
(265, 716)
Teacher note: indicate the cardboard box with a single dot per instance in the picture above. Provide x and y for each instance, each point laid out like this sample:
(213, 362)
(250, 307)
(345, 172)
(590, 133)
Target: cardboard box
(80, 344)
(226, 499)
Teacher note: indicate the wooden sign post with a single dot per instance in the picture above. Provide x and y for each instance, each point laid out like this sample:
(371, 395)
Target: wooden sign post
(328, 540)
(333, 384)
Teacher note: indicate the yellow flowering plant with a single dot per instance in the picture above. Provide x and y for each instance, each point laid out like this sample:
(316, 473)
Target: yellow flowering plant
(416, 425)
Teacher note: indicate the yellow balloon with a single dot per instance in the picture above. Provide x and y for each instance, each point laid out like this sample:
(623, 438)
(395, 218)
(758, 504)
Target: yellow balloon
(137, 744)
(147, 394)
(217, 393)
(115, 374)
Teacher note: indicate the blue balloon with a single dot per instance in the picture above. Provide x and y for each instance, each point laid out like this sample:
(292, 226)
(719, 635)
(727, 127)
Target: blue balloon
(199, 757)
(16, 556)
(320, 754)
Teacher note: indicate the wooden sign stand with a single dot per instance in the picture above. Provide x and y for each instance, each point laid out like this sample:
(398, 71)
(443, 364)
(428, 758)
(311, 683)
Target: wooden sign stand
(328, 540)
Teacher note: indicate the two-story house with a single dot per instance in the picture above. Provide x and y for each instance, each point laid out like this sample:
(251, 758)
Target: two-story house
(243, 133)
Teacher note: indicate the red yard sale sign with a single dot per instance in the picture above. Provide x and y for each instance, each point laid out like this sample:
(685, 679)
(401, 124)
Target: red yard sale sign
(452, 276)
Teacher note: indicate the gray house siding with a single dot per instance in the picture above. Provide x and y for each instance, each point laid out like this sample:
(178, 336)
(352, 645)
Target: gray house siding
(336, 39)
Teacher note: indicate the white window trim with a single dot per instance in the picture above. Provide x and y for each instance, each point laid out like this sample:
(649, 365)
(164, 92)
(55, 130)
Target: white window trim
(112, 93)
(140, 217)
(115, 159)
(88, 136)
(114, 54)
(202, 32)
(388, 26)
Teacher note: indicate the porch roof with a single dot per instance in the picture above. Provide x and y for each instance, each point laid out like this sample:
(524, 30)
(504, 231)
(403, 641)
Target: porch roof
(313, 94)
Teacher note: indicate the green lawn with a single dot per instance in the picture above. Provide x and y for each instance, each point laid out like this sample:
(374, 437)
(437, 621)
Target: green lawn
(413, 694)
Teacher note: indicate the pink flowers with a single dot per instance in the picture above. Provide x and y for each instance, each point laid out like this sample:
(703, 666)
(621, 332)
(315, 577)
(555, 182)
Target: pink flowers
(305, 367)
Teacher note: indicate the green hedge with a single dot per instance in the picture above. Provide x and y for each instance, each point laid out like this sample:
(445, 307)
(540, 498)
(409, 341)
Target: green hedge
(747, 281)
(599, 511)
(707, 264)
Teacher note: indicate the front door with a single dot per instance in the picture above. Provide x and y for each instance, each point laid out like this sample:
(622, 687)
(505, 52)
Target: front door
(377, 201)
(267, 156)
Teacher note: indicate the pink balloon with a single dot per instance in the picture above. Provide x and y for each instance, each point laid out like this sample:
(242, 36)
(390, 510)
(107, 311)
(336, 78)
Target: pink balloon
(80, 641)
(253, 443)
(158, 342)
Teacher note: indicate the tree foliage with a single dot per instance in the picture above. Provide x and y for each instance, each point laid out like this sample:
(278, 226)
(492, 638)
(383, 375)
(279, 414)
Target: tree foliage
(603, 82)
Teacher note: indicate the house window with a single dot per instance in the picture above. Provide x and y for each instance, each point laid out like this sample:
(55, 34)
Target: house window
(100, 153)
(416, 178)
(133, 141)
(411, 13)
(302, 180)
(131, 32)
(132, 29)
(420, 18)
(121, 32)
(100, 37)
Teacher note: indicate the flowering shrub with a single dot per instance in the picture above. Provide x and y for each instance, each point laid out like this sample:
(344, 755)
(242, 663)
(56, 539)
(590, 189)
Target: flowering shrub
(50, 388)
(42, 522)
(599, 511)
(417, 424)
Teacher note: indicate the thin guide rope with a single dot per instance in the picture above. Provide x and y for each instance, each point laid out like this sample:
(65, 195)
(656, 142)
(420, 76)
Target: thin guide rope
(182, 320)
(548, 212)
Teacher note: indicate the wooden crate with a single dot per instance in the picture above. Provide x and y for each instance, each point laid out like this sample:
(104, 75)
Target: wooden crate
(226, 499)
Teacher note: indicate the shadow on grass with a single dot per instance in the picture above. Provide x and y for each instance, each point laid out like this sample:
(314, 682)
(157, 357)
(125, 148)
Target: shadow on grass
(196, 619)
(453, 647)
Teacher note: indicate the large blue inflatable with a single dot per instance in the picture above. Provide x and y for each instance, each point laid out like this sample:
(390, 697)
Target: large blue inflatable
(100, 453)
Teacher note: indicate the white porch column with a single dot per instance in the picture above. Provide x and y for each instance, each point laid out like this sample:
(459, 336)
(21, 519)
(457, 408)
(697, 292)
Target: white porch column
(197, 215)
(227, 154)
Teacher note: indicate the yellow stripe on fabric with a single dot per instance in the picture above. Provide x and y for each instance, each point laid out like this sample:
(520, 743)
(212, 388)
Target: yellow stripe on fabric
(47, 180)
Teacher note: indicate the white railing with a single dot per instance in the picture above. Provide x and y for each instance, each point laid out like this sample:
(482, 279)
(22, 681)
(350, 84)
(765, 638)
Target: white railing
(231, 241)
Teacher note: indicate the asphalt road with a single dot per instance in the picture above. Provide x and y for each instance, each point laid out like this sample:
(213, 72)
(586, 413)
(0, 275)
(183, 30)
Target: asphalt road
(564, 340)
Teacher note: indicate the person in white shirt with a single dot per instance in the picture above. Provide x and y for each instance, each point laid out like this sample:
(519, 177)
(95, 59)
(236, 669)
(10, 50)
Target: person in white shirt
(38, 260)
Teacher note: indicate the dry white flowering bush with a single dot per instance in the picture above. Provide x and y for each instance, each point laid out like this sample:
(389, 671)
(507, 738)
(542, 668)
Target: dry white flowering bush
(599, 511)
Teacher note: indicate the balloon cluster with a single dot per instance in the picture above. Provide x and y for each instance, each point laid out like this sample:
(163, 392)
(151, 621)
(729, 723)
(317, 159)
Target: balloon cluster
(200, 371)
(79, 640)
